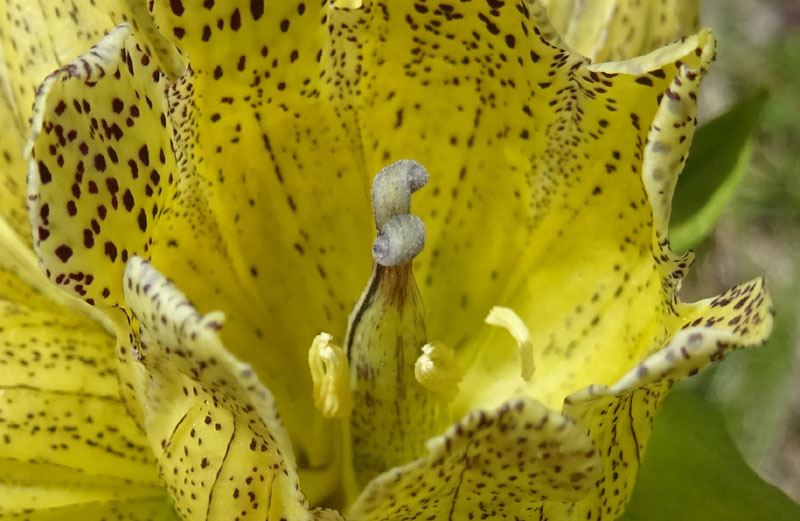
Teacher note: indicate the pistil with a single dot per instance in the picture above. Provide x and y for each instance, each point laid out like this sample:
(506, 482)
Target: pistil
(393, 414)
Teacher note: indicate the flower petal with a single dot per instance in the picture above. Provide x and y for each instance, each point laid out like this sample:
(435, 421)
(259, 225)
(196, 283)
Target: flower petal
(594, 310)
(276, 166)
(618, 416)
(514, 129)
(741, 316)
(506, 463)
(101, 166)
(21, 280)
(50, 414)
(615, 30)
(131, 186)
(270, 161)
(67, 444)
(213, 427)
(38, 37)
(134, 509)
(56, 351)
(12, 174)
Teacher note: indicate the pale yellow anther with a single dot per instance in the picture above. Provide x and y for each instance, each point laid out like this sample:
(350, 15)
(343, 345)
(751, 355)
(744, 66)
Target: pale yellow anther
(437, 370)
(510, 321)
(330, 373)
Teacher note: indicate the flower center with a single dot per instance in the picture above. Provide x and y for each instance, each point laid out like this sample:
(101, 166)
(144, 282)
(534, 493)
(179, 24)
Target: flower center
(390, 385)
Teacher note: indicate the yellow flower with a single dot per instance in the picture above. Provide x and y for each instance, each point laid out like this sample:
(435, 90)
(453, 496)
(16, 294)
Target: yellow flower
(245, 178)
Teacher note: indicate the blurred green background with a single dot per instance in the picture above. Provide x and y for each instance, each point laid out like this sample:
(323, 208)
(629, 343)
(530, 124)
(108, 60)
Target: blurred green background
(758, 233)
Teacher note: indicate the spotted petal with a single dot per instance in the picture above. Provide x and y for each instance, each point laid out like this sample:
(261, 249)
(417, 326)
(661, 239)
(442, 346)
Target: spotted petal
(68, 449)
(213, 427)
(513, 462)
(99, 194)
(608, 30)
(274, 163)
(501, 112)
(38, 37)
(618, 416)
(680, 340)
(101, 166)
(20, 279)
(601, 331)
(12, 174)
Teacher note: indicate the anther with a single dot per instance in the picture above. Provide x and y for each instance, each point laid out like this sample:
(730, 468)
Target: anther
(510, 321)
(330, 374)
(437, 370)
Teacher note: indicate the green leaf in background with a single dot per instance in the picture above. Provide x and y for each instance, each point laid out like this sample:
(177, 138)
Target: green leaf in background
(753, 387)
(718, 159)
(693, 471)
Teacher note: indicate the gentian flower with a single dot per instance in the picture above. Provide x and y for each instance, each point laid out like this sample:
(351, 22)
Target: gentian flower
(219, 214)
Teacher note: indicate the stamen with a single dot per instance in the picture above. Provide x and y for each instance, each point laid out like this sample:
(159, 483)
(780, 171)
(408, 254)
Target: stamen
(331, 376)
(510, 321)
(437, 370)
